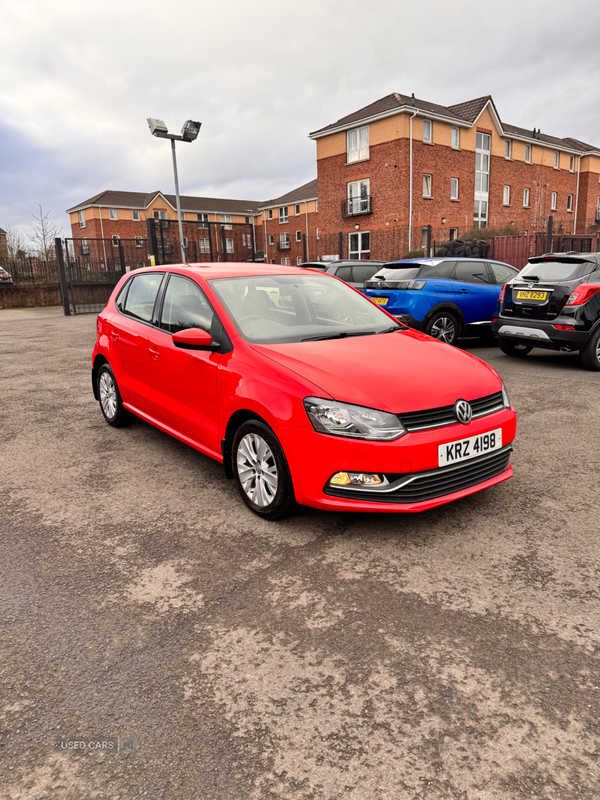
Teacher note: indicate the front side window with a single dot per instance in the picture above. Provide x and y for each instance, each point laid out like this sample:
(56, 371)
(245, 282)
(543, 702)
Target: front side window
(506, 196)
(359, 245)
(528, 154)
(225, 219)
(185, 306)
(453, 188)
(112, 213)
(357, 144)
(358, 196)
(569, 202)
(142, 295)
(553, 201)
(508, 149)
(525, 198)
(426, 185)
(283, 214)
(81, 215)
(471, 272)
(427, 131)
(456, 138)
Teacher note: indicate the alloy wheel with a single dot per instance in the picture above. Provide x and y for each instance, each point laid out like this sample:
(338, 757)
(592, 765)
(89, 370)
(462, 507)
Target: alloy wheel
(108, 395)
(443, 329)
(257, 470)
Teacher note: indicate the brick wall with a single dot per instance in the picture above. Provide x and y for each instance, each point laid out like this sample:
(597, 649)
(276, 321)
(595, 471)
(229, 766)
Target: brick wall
(23, 296)
(589, 192)
(3, 250)
(295, 223)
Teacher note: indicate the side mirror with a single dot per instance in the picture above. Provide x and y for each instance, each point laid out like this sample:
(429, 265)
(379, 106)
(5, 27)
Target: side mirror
(193, 339)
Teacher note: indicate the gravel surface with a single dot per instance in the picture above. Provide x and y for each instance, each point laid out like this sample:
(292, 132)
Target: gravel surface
(452, 654)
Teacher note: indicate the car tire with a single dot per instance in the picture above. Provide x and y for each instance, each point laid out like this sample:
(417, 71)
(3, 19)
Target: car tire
(443, 325)
(109, 398)
(589, 355)
(261, 471)
(514, 350)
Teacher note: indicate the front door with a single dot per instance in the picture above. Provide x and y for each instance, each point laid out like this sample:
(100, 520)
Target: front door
(184, 382)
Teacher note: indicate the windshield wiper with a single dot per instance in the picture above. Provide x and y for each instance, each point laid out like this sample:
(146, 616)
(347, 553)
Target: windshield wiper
(393, 328)
(338, 335)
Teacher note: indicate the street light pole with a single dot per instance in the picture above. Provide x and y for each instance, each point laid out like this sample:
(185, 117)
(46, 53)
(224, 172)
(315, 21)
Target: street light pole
(189, 132)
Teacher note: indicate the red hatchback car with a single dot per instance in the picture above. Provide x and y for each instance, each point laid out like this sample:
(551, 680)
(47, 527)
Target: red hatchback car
(305, 390)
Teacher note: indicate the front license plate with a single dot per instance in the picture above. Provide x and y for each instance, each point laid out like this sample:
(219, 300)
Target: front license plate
(473, 446)
(381, 301)
(522, 295)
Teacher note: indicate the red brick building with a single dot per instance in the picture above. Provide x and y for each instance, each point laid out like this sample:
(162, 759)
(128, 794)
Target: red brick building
(291, 223)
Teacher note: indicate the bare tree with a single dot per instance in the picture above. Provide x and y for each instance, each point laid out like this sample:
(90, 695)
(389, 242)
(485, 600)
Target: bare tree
(15, 243)
(43, 234)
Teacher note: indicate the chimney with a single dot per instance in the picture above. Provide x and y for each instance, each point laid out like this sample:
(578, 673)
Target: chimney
(412, 99)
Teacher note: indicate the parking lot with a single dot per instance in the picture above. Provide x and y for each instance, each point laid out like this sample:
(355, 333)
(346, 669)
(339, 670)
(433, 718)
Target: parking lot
(452, 654)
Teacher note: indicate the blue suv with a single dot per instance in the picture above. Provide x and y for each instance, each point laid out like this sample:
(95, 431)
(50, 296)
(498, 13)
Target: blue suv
(444, 297)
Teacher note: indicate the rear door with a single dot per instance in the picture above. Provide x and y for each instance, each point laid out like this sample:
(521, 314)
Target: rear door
(475, 290)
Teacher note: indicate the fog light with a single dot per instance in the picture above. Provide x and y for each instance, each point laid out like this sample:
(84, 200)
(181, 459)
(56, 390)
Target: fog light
(355, 479)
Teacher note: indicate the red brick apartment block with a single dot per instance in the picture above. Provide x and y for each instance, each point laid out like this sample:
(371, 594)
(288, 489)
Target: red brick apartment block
(287, 222)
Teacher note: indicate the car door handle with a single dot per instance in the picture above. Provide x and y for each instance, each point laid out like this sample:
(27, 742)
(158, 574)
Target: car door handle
(114, 336)
(464, 291)
(154, 352)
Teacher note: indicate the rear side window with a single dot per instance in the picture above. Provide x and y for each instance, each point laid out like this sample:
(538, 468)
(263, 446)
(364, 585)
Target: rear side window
(344, 273)
(441, 270)
(471, 272)
(185, 306)
(502, 274)
(141, 296)
(364, 272)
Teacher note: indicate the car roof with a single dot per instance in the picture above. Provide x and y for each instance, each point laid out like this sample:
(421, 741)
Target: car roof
(352, 261)
(436, 260)
(227, 269)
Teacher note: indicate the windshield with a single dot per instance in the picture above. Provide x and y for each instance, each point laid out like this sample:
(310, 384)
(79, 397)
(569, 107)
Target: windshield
(270, 309)
(556, 270)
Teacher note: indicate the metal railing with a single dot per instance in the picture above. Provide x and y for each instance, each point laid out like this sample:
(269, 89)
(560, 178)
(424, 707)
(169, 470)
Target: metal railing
(355, 206)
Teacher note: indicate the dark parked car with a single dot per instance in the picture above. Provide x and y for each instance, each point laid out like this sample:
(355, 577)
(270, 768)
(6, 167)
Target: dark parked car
(554, 303)
(5, 277)
(354, 272)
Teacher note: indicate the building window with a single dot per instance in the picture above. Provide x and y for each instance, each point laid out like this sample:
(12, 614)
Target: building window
(298, 260)
(553, 201)
(247, 220)
(229, 245)
(270, 213)
(569, 202)
(115, 240)
(482, 162)
(185, 241)
(139, 242)
(298, 236)
(506, 196)
(297, 209)
(316, 205)
(204, 245)
(528, 154)
(85, 248)
(453, 188)
(453, 234)
(283, 215)
(317, 232)
(572, 164)
(135, 215)
(359, 245)
(508, 149)
(112, 213)
(427, 131)
(525, 198)
(556, 159)
(426, 185)
(284, 241)
(480, 214)
(358, 197)
(226, 220)
(160, 215)
(183, 216)
(597, 209)
(456, 138)
(424, 238)
(81, 215)
(357, 144)
(285, 262)
(271, 241)
(202, 219)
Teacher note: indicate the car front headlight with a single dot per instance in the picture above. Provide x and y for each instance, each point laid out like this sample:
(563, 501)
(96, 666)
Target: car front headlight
(356, 422)
(505, 399)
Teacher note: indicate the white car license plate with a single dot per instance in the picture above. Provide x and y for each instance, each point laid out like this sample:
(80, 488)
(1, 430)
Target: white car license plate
(473, 446)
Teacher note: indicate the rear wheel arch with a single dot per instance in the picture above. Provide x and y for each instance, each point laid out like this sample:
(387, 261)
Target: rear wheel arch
(452, 308)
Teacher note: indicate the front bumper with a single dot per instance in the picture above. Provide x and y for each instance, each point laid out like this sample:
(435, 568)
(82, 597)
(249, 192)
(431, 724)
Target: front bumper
(314, 457)
(540, 333)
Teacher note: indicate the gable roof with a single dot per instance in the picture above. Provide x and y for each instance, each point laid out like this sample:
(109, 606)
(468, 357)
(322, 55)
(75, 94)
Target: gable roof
(118, 199)
(2, 231)
(308, 191)
(472, 108)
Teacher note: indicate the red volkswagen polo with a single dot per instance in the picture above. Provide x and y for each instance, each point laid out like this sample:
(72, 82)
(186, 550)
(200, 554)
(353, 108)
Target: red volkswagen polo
(305, 390)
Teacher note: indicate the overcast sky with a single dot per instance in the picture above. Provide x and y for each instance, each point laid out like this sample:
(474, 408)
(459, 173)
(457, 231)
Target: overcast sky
(77, 81)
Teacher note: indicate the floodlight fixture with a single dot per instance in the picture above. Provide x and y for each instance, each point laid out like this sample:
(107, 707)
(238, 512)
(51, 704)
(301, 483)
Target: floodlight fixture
(190, 130)
(157, 127)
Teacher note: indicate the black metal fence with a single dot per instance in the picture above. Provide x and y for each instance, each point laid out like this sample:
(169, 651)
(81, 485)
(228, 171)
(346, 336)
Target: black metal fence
(31, 271)
(202, 241)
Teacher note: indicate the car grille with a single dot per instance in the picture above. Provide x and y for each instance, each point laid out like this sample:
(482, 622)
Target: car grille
(422, 486)
(444, 415)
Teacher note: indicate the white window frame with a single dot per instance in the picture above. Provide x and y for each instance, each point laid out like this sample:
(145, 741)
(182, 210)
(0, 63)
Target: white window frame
(427, 185)
(185, 241)
(112, 214)
(453, 233)
(455, 138)
(316, 205)
(115, 239)
(453, 188)
(358, 202)
(271, 239)
(284, 216)
(284, 240)
(508, 149)
(139, 242)
(297, 209)
(424, 238)
(85, 245)
(569, 202)
(298, 236)
(160, 214)
(202, 219)
(135, 215)
(359, 251)
(81, 215)
(553, 201)
(229, 246)
(427, 131)
(357, 144)
(556, 159)
(225, 220)
(506, 195)
(528, 153)
(317, 232)
(526, 197)
(298, 260)
(204, 245)
(285, 262)
(572, 164)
